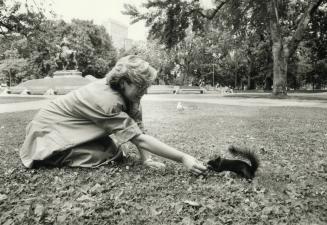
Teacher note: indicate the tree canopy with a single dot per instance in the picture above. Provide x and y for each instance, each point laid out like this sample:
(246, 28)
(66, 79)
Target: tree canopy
(282, 24)
(245, 44)
(16, 18)
(36, 39)
(95, 51)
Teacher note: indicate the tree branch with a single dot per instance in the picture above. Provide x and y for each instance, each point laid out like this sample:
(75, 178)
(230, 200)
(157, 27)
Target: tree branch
(4, 25)
(301, 27)
(275, 30)
(213, 14)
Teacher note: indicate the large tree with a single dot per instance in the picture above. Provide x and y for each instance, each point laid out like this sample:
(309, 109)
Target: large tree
(95, 51)
(25, 29)
(283, 47)
(316, 41)
(285, 21)
(12, 68)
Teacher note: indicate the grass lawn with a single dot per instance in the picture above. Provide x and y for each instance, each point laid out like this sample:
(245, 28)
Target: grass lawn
(295, 96)
(290, 187)
(12, 99)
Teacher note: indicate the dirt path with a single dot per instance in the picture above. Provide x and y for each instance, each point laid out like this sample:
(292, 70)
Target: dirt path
(239, 101)
(209, 99)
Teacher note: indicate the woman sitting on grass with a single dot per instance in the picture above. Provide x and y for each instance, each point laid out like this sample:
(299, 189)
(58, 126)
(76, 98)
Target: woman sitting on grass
(87, 127)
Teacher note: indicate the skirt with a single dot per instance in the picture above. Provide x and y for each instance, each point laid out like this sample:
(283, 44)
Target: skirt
(90, 154)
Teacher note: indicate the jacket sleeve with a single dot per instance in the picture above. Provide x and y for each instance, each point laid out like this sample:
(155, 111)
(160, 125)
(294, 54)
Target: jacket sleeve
(135, 112)
(116, 123)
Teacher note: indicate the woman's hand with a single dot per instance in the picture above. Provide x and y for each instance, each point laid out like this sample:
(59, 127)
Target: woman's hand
(193, 165)
(153, 145)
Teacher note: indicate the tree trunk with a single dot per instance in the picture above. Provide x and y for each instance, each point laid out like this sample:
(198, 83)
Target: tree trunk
(279, 70)
(251, 74)
(9, 72)
(279, 59)
(185, 74)
(283, 51)
(268, 84)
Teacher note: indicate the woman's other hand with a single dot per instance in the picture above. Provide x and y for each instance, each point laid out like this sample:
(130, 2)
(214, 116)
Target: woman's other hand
(154, 164)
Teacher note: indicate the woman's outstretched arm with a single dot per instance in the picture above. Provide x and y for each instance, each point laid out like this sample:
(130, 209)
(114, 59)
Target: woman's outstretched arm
(153, 145)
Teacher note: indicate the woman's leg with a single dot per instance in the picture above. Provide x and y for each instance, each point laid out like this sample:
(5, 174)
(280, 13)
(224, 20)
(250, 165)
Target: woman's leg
(90, 154)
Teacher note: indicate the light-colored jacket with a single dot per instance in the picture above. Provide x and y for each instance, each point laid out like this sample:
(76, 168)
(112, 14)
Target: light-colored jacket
(81, 116)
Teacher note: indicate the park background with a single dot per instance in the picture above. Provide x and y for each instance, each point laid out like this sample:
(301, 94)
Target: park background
(228, 42)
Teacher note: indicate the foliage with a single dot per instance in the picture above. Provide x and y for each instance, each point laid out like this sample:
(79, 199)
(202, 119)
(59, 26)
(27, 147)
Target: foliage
(25, 30)
(168, 23)
(157, 56)
(18, 19)
(95, 52)
(12, 68)
(253, 23)
(316, 43)
(308, 66)
(18, 23)
(290, 187)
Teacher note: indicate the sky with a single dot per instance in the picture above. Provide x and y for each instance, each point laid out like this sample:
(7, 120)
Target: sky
(96, 10)
(100, 11)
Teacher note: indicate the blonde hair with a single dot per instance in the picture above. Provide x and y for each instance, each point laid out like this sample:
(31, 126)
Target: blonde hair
(131, 69)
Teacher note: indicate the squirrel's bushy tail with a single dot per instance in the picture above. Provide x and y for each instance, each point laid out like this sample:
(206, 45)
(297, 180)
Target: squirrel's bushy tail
(246, 154)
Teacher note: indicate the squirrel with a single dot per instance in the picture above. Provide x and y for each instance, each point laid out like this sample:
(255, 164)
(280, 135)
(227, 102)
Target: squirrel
(239, 167)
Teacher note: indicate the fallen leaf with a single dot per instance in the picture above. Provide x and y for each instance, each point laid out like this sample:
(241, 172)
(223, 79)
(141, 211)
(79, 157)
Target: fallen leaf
(118, 195)
(187, 221)
(84, 198)
(3, 197)
(192, 203)
(39, 210)
(9, 222)
(154, 212)
(61, 218)
(96, 188)
(210, 221)
(67, 205)
(178, 208)
(121, 210)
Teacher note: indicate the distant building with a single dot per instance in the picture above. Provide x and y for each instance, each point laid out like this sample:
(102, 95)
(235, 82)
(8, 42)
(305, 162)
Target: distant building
(119, 34)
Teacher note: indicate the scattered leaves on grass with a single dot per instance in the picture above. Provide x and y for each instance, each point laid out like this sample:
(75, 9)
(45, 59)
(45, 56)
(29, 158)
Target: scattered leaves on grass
(290, 187)
(3, 197)
(192, 203)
